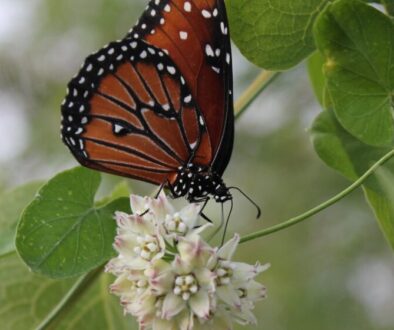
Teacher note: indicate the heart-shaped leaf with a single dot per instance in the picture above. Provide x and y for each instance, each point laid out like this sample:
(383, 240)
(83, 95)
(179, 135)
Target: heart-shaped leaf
(357, 42)
(12, 204)
(62, 233)
(341, 151)
(274, 35)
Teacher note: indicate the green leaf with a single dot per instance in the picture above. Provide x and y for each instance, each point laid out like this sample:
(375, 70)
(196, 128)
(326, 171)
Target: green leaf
(382, 206)
(316, 76)
(344, 153)
(357, 42)
(61, 233)
(27, 299)
(11, 206)
(274, 35)
(97, 308)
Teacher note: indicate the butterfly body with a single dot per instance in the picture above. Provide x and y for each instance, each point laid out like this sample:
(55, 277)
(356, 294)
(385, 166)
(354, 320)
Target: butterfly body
(157, 105)
(197, 182)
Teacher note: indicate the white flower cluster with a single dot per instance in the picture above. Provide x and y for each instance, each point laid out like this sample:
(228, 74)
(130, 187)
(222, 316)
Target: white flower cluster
(169, 278)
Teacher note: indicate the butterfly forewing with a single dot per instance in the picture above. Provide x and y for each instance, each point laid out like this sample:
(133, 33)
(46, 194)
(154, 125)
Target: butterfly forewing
(195, 35)
(130, 112)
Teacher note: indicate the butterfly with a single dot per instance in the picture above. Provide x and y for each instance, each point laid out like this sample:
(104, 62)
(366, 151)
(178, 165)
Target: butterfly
(157, 106)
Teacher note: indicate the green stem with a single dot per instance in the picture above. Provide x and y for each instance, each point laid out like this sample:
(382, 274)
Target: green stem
(72, 295)
(256, 87)
(320, 207)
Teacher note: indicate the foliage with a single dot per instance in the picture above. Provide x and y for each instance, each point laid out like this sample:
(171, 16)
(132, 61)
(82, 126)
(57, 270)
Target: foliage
(272, 34)
(352, 73)
(11, 205)
(359, 73)
(62, 233)
(27, 299)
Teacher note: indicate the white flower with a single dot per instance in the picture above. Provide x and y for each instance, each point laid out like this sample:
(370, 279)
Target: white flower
(176, 223)
(138, 241)
(235, 285)
(172, 223)
(168, 277)
(192, 284)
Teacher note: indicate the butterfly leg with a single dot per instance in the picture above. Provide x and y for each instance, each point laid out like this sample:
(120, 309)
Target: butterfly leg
(205, 200)
(205, 217)
(160, 189)
(156, 196)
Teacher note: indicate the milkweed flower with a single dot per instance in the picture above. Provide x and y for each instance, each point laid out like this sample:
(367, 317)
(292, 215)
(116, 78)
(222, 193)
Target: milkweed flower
(169, 277)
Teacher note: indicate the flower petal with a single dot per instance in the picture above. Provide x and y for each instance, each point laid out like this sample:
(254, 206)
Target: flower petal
(172, 305)
(200, 229)
(181, 266)
(227, 294)
(121, 285)
(160, 207)
(205, 278)
(244, 272)
(186, 321)
(190, 213)
(161, 278)
(255, 291)
(200, 304)
(139, 204)
(194, 250)
(228, 249)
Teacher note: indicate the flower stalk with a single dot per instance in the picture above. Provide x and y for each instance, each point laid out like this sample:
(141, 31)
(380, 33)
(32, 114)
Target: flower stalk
(262, 81)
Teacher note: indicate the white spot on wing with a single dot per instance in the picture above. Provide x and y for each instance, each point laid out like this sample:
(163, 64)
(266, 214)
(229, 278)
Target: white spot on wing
(118, 128)
(209, 50)
(143, 54)
(188, 98)
(228, 58)
(171, 69)
(206, 13)
(187, 6)
(183, 35)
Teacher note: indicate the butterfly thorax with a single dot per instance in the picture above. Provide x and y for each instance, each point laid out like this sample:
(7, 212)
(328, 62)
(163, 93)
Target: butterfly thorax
(198, 182)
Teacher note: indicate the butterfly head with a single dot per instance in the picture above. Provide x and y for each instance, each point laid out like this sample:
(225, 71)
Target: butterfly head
(198, 182)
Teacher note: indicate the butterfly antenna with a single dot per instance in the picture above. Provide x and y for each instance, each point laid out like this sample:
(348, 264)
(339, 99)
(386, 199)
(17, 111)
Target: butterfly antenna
(227, 221)
(250, 200)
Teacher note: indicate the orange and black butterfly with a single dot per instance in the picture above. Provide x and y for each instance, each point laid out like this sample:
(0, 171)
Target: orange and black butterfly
(157, 105)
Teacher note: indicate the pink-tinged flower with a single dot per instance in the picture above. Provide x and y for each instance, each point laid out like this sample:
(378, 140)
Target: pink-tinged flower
(236, 288)
(138, 241)
(176, 223)
(188, 284)
(172, 223)
(168, 277)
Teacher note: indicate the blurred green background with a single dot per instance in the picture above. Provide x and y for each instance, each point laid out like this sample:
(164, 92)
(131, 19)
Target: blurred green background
(332, 272)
